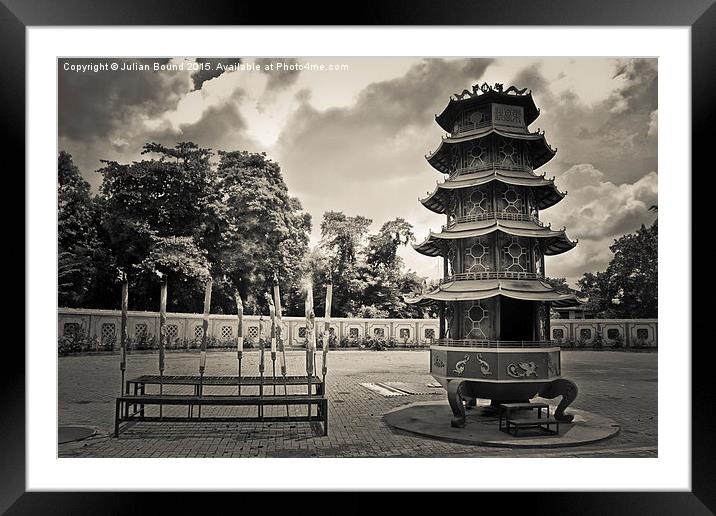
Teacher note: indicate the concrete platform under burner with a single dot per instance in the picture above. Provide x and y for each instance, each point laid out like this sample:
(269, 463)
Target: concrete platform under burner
(432, 419)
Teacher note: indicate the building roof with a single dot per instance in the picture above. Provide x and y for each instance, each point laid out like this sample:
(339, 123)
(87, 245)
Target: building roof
(578, 305)
(546, 193)
(539, 149)
(473, 290)
(486, 94)
(554, 242)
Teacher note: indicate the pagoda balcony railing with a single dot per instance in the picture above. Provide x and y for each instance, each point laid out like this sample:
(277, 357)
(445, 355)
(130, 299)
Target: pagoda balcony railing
(461, 171)
(478, 343)
(489, 215)
(467, 276)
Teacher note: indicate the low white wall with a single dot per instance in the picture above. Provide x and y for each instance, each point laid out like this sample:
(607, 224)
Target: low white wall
(611, 332)
(103, 325)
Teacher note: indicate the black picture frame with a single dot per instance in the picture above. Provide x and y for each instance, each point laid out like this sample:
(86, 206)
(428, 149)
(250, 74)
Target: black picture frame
(700, 15)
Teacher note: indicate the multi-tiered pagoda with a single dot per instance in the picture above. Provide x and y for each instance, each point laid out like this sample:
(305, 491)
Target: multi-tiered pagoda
(493, 300)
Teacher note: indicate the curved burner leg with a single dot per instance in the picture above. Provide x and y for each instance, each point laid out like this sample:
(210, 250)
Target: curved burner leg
(565, 388)
(454, 393)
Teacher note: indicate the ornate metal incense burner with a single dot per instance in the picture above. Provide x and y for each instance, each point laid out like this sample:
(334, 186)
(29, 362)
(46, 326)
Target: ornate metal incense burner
(494, 303)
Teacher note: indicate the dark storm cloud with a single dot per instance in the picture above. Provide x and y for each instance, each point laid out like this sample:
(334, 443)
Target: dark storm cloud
(386, 108)
(92, 105)
(349, 158)
(375, 146)
(607, 161)
(616, 134)
(280, 77)
(531, 78)
(419, 94)
(213, 69)
(220, 127)
(641, 84)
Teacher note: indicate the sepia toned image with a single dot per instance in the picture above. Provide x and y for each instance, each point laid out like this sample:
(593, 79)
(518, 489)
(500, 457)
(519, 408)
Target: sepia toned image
(357, 257)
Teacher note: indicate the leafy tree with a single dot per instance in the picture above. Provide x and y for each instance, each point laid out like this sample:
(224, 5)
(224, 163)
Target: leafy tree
(629, 286)
(72, 270)
(342, 242)
(632, 275)
(371, 312)
(178, 213)
(257, 230)
(342, 237)
(384, 284)
(367, 271)
(74, 206)
(382, 248)
(316, 269)
(184, 263)
(558, 283)
(76, 233)
(410, 284)
(153, 212)
(233, 220)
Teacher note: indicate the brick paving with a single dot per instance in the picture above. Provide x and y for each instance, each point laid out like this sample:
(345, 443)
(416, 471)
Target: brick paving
(619, 385)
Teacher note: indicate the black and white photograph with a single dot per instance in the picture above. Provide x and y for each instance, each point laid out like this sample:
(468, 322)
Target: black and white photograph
(413, 247)
(374, 257)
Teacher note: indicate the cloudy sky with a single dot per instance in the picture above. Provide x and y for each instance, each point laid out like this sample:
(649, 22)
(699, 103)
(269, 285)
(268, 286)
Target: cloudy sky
(354, 138)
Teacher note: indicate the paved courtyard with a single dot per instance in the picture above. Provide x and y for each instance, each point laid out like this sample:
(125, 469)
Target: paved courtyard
(621, 386)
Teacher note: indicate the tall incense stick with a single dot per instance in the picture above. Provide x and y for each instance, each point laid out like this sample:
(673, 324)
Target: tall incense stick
(205, 337)
(311, 341)
(261, 366)
(272, 314)
(239, 333)
(281, 342)
(327, 329)
(162, 331)
(123, 329)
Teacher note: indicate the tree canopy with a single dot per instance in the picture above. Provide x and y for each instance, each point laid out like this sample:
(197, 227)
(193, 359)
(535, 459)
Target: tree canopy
(77, 236)
(628, 288)
(179, 214)
(367, 272)
(193, 214)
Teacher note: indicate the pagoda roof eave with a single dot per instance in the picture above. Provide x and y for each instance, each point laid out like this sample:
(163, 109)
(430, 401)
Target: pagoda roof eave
(546, 192)
(542, 155)
(455, 105)
(555, 242)
(474, 290)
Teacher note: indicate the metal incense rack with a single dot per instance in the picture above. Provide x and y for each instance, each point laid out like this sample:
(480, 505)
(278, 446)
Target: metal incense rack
(251, 394)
